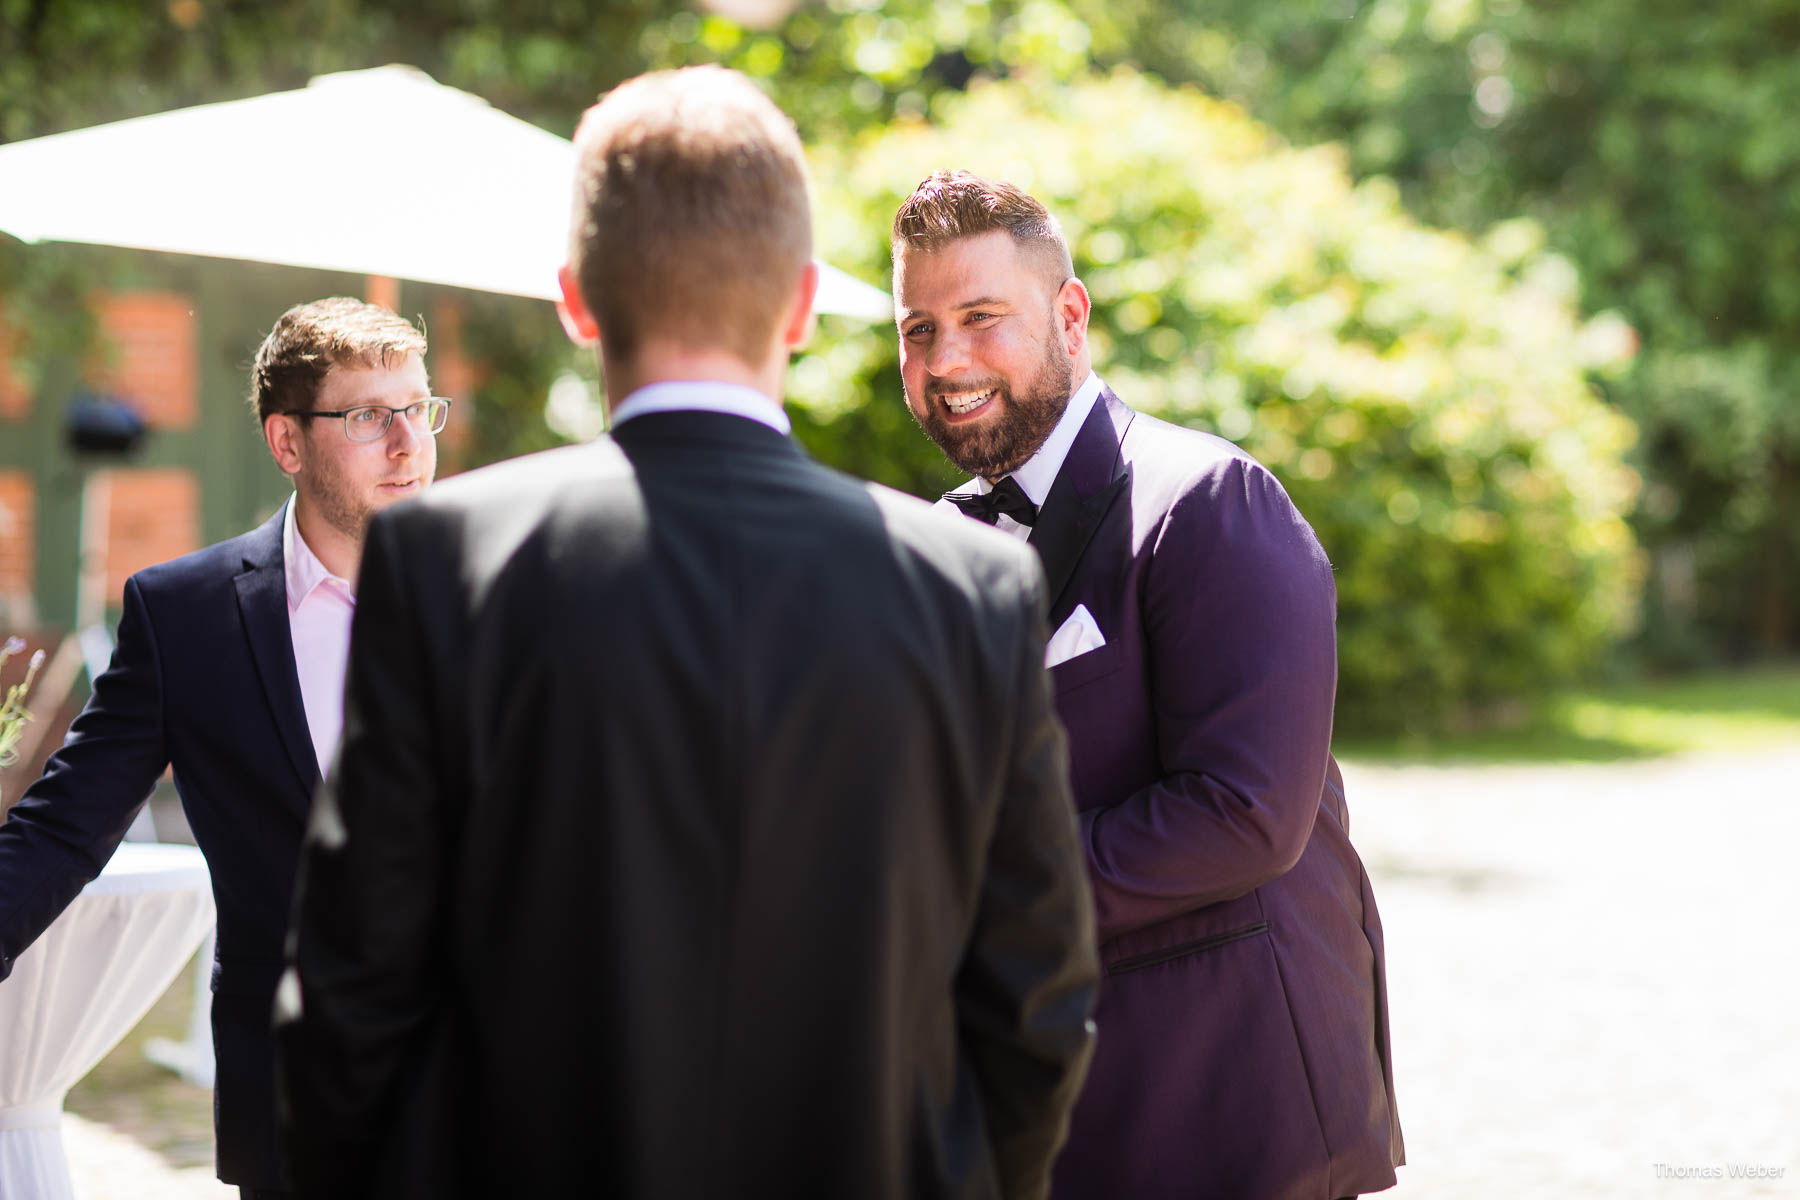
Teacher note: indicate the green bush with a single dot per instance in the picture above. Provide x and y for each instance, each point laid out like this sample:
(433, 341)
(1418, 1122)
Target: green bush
(1655, 141)
(1425, 399)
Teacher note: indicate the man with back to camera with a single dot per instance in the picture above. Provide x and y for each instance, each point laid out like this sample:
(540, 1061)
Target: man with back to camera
(701, 827)
(1243, 1039)
(229, 667)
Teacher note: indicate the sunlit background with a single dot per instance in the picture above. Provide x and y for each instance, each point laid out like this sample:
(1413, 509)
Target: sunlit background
(1507, 293)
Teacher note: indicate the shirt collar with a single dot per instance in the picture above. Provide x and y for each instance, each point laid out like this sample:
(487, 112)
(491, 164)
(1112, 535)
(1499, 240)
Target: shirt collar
(302, 567)
(1039, 471)
(702, 395)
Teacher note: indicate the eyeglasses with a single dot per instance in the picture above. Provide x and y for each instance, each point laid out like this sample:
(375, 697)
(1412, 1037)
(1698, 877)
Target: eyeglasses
(370, 422)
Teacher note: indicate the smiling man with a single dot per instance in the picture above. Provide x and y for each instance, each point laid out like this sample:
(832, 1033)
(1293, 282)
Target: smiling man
(230, 667)
(1242, 1050)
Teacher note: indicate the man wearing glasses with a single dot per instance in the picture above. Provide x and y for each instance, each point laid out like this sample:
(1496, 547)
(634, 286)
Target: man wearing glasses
(230, 668)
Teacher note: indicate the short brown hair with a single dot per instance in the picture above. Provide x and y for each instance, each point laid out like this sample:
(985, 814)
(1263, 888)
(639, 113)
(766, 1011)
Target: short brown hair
(692, 221)
(310, 339)
(950, 205)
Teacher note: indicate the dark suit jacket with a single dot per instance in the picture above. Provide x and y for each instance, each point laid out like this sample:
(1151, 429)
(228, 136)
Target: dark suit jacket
(1243, 1050)
(203, 678)
(700, 829)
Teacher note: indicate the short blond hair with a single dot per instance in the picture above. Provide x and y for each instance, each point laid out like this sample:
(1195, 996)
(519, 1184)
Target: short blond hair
(692, 221)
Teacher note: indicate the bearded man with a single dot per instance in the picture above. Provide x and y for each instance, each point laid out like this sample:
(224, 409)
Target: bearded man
(1243, 1034)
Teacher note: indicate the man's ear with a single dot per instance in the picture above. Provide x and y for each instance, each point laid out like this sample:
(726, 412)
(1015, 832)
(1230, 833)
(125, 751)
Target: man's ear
(1072, 310)
(801, 319)
(577, 321)
(282, 433)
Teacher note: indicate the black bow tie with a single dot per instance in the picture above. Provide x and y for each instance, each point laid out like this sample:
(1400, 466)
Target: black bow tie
(1005, 497)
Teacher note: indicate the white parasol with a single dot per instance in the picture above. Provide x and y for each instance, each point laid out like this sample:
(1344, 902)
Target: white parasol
(382, 172)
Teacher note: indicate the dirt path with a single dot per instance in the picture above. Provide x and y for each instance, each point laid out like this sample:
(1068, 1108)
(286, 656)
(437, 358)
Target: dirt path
(1595, 970)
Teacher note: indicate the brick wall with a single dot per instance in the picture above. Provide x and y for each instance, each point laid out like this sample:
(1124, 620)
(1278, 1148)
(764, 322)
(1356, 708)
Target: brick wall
(455, 375)
(153, 359)
(152, 516)
(15, 401)
(18, 550)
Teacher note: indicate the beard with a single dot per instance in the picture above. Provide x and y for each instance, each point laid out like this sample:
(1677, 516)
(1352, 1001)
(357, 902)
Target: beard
(344, 494)
(1022, 423)
(337, 501)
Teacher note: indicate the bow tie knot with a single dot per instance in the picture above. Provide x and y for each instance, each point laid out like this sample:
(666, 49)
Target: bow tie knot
(1004, 497)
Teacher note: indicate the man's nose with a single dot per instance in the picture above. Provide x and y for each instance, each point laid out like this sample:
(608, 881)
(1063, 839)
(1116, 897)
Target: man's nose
(949, 353)
(403, 436)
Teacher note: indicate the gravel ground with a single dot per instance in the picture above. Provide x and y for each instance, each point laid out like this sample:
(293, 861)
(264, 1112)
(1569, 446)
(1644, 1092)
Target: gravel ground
(107, 1165)
(1592, 969)
(1593, 974)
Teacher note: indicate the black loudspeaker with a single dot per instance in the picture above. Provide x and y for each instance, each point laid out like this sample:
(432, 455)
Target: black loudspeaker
(103, 425)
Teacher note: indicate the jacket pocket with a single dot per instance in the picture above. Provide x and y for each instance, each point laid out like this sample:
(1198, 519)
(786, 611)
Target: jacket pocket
(1097, 663)
(1138, 961)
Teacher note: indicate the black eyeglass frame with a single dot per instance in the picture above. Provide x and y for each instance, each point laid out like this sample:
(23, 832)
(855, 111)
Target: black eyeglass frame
(435, 429)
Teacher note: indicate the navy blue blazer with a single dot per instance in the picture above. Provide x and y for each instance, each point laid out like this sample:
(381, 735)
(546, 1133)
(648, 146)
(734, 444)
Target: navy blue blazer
(203, 678)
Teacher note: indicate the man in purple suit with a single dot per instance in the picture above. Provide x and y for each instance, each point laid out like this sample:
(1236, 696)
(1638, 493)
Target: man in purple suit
(1243, 1032)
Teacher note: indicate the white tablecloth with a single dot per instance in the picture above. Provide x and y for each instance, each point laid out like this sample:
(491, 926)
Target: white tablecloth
(81, 987)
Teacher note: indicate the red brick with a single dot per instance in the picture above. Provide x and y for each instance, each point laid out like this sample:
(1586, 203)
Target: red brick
(152, 516)
(455, 375)
(18, 540)
(15, 400)
(153, 359)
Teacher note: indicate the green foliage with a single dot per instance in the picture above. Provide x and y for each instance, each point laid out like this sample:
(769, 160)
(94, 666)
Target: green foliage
(43, 307)
(520, 349)
(1717, 712)
(1655, 143)
(1424, 398)
(14, 716)
(68, 65)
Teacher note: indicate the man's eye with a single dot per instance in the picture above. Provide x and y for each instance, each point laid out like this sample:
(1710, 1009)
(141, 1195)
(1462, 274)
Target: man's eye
(980, 316)
(365, 416)
(918, 329)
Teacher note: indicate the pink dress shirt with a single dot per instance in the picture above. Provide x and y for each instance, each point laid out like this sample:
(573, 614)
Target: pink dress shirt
(319, 606)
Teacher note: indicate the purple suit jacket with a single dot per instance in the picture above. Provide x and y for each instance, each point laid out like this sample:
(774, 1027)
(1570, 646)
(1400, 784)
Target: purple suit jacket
(1243, 1032)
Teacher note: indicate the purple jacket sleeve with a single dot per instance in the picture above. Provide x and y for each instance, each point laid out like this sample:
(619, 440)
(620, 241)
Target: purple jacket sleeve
(1238, 611)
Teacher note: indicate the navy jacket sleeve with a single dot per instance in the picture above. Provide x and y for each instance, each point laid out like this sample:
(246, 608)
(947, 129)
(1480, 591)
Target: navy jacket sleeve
(67, 825)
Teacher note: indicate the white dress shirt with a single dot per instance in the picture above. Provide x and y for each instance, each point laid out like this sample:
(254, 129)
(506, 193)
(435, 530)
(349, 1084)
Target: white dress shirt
(319, 606)
(702, 395)
(1039, 471)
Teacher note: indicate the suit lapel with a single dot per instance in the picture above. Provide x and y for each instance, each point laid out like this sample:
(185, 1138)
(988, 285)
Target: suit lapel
(1092, 477)
(262, 603)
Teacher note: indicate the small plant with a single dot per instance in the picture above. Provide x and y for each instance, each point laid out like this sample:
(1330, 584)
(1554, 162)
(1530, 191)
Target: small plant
(13, 714)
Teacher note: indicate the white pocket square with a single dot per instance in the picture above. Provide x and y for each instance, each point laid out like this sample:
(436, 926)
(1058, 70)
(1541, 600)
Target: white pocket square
(1079, 634)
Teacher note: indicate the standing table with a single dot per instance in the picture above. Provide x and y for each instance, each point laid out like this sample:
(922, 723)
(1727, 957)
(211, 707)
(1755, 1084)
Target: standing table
(81, 987)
